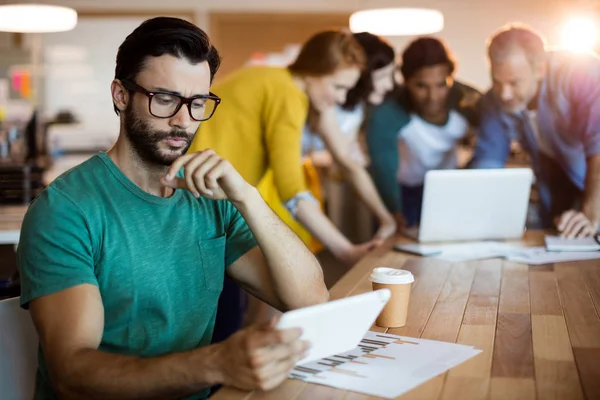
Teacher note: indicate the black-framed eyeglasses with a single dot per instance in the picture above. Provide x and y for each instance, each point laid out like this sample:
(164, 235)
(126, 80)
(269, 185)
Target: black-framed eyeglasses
(166, 104)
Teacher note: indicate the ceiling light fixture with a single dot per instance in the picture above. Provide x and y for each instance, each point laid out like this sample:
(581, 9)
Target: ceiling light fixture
(397, 21)
(36, 18)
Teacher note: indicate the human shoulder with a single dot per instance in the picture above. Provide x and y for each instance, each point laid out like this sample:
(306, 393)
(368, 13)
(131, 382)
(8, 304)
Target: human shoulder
(390, 111)
(563, 61)
(573, 73)
(466, 95)
(81, 182)
(488, 105)
(464, 98)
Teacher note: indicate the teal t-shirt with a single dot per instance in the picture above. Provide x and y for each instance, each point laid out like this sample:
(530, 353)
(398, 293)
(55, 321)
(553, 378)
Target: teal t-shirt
(158, 262)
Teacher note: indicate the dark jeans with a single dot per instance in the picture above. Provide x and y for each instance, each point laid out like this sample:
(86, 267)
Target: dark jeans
(412, 203)
(557, 192)
(230, 313)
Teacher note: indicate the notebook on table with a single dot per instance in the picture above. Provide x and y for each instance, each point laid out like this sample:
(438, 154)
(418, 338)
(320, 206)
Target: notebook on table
(557, 243)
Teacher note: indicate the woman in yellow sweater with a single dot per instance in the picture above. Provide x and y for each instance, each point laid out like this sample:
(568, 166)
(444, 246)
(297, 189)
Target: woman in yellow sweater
(261, 118)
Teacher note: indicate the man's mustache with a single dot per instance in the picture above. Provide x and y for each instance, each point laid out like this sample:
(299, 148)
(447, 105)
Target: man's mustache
(172, 135)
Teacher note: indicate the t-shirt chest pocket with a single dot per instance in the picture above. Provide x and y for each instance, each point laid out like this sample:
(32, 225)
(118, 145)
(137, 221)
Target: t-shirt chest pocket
(212, 258)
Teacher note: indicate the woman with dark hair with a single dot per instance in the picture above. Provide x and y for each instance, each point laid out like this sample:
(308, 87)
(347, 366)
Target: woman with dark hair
(419, 127)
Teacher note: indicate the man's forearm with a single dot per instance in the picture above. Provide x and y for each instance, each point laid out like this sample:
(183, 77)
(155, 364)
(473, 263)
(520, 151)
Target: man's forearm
(591, 198)
(365, 188)
(291, 264)
(94, 374)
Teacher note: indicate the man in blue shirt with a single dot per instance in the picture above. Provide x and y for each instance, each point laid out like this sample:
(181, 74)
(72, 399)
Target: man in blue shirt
(548, 101)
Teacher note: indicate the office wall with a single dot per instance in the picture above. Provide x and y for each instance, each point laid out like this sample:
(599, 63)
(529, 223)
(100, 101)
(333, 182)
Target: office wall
(468, 22)
(79, 68)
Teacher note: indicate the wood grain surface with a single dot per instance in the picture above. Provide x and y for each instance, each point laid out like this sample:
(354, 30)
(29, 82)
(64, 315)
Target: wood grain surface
(538, 328)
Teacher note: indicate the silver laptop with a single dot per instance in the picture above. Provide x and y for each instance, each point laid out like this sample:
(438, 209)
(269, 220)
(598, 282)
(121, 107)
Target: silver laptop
(474, 204)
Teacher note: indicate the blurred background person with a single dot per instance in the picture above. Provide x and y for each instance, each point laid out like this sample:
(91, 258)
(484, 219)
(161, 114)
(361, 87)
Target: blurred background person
(549, 101)
(419, 127)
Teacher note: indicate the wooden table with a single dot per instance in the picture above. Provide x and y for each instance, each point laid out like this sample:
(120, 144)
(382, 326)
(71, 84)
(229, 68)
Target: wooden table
(11, 218)
(538, 327)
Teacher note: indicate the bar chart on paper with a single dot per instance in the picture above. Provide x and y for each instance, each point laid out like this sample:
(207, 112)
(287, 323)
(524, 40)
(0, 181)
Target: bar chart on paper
(385, 365)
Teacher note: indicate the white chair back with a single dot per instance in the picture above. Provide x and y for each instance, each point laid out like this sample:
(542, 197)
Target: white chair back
(18, 352)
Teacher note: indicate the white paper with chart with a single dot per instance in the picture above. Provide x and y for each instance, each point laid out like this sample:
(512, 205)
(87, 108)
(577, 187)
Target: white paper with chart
(385, 365)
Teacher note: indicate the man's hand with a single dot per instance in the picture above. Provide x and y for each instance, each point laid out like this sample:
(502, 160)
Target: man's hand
(259, 357)
(574, 224)
(207, 174)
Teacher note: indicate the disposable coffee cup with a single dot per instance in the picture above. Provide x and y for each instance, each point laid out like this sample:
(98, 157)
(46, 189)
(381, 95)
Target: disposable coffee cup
(398, 281)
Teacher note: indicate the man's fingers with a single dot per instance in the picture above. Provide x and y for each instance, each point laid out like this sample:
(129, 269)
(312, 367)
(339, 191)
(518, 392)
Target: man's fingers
(586, 232)
(192, 166)
(565, 218)
(275, 373)
(578, 228)
(276, 353)
(565, 224)
(272, 337)
(273, 381)
(178, 164)
(198, 174)
(215, 173)
(175, 183)
(570, 225)
(170, 179)
(584, 229)
(274, 320)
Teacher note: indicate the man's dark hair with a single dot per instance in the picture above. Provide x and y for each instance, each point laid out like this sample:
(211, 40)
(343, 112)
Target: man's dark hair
(379, 54)
(164, 35)
(425, 52)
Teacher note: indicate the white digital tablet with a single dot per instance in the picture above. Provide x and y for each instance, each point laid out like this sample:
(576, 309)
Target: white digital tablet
(337, 326)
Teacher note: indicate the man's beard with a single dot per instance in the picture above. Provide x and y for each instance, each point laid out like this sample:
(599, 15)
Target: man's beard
(145, 141)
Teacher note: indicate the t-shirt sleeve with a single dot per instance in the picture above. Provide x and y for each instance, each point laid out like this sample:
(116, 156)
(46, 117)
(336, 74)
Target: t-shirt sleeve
(284, 118)
(55, 247)
(239, 238)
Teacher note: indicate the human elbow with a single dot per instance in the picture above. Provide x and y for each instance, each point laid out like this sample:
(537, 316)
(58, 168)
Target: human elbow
(66, 378)
(316, 294)
(319, 296)
(65, 387)
(64, 390)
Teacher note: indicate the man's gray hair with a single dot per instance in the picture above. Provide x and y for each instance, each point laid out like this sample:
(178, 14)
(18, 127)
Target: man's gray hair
(517, 36)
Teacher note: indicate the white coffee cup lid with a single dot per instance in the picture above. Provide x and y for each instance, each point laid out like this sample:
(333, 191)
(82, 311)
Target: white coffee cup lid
(391, 276)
